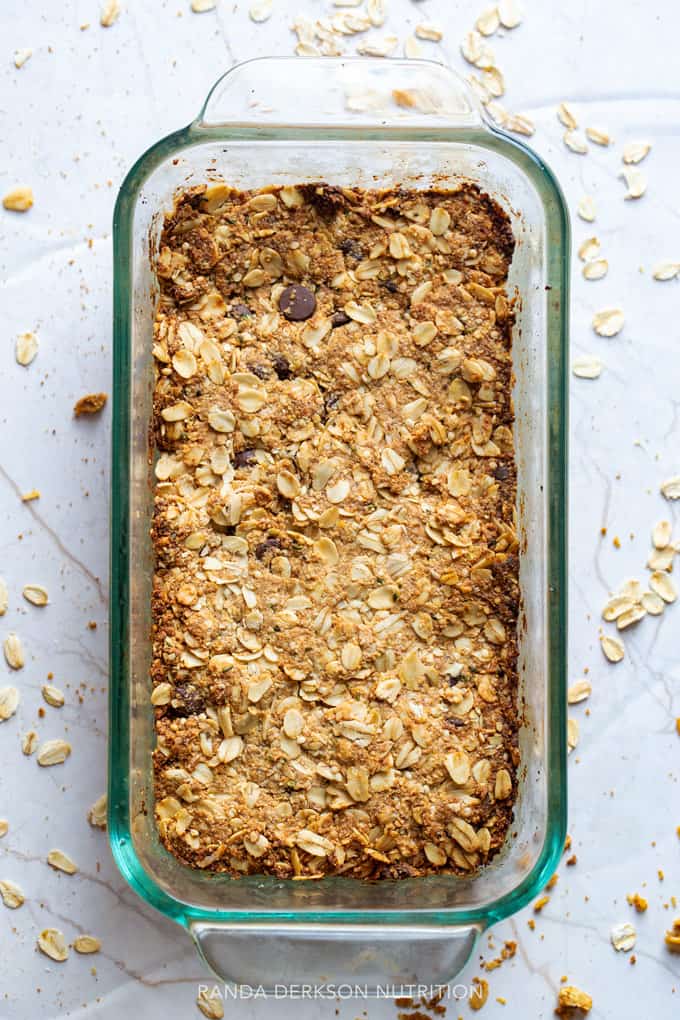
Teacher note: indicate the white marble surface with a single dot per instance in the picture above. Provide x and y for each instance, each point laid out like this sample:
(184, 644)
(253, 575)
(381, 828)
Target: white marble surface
(71, 121)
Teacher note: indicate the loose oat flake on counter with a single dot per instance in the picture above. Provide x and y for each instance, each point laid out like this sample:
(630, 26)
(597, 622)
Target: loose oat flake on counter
(335, 594)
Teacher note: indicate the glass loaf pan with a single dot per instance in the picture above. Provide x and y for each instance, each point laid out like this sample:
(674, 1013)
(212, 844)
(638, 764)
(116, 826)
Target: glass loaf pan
(282, 121)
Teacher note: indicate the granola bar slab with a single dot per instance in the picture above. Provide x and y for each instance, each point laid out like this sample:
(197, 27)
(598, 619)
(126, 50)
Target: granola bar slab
(335, 594)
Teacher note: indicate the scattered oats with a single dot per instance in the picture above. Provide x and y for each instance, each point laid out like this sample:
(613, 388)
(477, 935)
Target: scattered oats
(52, 943)
(29, 742)
(635, 152)
(598, 136)
(596, 269)
(586, 208)
(12, 894)
(14, 651)
(623, 936)
(587, 367)
(589, 249)
(4, 827)
(636, 183)
(612, 647)
(670, 489)
(26, 348)
(472, 47)
(488, 21)
(575, 142)
(631, 616)
(412, 48)
(60, 861)
(617, 605)
(494, 82)
(377, 12)
(21, 56)
(520, 124)
(567, 117)
(110, 13)
(201, 6)
(579, 691)
(18, 199)
(210, 1004)
(9, 702)
(661, 585)
(666, 270)
(571, 997)
(53, 752)
(96, 816)
(35, 594)
(661, 559)
(86, 944)
(379, 49)
(653, 603)
(497, 112)
(260, 11)
(4, 597)
(661, 534)
(510, 13)
(52, 695)
(426, 30)
(608, 322)
(572, 734)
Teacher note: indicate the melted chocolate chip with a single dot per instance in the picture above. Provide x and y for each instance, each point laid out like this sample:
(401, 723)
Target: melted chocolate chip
(339, 319)
(454, 721)
(281, 366)
(240, 310)
(244, 458)
(261, 371)
(297, 302)
(349, 246)
(501, 472)
(262, 548)
(189, 700)
(391, 286)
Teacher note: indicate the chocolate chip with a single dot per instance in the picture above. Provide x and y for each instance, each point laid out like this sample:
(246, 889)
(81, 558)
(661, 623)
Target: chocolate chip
(339, 319)
(261, 371)
(391, 286)
(501, 472)
(240, 310)
(348, 246)
(244, 458)
(297, 302)
(454, 721)
(188, 700)
(281, 366)
(262, 548)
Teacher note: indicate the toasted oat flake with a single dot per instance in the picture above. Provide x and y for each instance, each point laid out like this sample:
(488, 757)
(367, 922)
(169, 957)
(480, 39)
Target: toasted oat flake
(26, 348)
(96, 816)
(596, 269)
(612, 647)
(608, 322)
(412, 47)
(383, 48)
(587, 367)
(618, 605)
(520, 124)
(14, 651)
(52, 695)
(661, 559)
(623, 936)
(210, 1003)
(510, 13)
(53, 752)
(426, 30)
(110, 13)
(472, 47)
(261, 10)
(570, 997)
(635, 152)
(666, 270)
(488, 21)
(586, 208)
(36, 594)
(377, 12)
(631, 616)
(575, 142)
(662, 533)
(670, 489)
(60, 861)
(9, 702)
(52, 943)
(19, 199)
(86, 944)
(12, 894)
(494, 82)
(579, 691)
(653, 603)
(572, 734)
(636, 182)
(29, 742)
(4, 597)
(21, 56)
(202, 6)
(567, 117)
(598, 136)
(589, 249)
(661, 585)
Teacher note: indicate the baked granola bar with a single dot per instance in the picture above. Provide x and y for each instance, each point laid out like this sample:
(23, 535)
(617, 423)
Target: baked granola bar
(335, 594)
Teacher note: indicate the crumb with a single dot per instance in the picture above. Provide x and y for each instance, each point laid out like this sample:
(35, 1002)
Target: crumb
(540, 903)
(616, 542)
(531, 923)
(92, 403)
(637, 901)
(569, 998)
(29, 496)
(552, 882)
(570, 861)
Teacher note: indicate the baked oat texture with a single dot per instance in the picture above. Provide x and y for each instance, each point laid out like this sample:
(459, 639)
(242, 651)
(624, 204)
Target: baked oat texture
(335, 596)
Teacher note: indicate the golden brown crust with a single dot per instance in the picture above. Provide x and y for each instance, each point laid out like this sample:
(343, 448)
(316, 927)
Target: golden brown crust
(336, 587)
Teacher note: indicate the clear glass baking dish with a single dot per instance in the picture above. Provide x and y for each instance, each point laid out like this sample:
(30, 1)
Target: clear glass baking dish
(369, 123)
